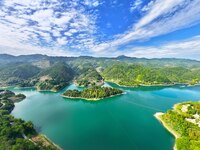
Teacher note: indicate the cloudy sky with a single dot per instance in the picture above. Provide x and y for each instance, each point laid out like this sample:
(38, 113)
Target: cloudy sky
(138, 28)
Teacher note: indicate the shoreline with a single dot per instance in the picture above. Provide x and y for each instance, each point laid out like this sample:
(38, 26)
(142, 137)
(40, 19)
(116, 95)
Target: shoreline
(92, 99)
(51, 142)
(47, 91)
(33, 87)
(6, 87)
(153, 85)
(142, 85)
(174, 133)
(18, 88)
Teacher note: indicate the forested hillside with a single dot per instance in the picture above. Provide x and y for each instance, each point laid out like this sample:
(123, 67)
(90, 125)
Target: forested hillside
(54, 73)
(55, 77)
(87, 75)
(17, 73)
(134, 75)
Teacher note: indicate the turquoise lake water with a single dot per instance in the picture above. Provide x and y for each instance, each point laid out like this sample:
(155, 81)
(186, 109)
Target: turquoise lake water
(124, 122)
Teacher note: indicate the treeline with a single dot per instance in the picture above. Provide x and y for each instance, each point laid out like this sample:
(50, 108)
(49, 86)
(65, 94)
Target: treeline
(135, 75)
(95, 92)
(189, 133)
(16, 134)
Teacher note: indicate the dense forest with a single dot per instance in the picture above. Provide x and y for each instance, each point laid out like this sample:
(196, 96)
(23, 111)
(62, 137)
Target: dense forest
(135, 75)
(54, 73)
(185, 121)
(93, 93)
(16, 134)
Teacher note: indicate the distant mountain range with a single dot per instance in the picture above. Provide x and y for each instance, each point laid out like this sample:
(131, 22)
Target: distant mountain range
(6, 58)
(54, 73)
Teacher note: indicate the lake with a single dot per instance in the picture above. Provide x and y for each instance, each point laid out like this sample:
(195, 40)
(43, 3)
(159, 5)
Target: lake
(124, 122)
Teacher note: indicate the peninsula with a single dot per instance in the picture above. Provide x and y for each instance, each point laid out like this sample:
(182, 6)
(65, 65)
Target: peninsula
(184, 123)
(93, 93)
(17, 133)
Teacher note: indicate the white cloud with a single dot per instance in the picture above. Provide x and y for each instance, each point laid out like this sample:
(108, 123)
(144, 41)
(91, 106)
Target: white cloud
(15, 20)
(64, 19)
(148, 6)
(92, 3)
(35, 25)
(68, 34)
(135, 5)
(42, 17)
(56, 33)
(27, 49)
(62, 41)
(189, 48)
(39, 24)
(173, 15)
(160, 7)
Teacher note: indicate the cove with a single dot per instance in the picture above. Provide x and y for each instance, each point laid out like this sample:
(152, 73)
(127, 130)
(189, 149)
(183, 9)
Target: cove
(124, 122)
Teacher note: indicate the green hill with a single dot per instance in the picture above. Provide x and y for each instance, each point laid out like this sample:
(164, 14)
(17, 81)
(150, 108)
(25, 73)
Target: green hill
(134, 75)
(87, 75)
(55, 77)
(15, 74)
(54, 73)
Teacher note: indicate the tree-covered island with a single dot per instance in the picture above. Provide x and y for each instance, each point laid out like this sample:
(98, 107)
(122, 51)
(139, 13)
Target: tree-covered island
(184, 123)
(93, 93)
(16, 134)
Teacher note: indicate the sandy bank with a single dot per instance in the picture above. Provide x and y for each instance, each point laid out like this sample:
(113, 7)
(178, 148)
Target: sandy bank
(174, 133)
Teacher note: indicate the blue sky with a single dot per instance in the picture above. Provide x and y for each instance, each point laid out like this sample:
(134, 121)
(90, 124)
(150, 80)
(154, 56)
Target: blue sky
(137, 28)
